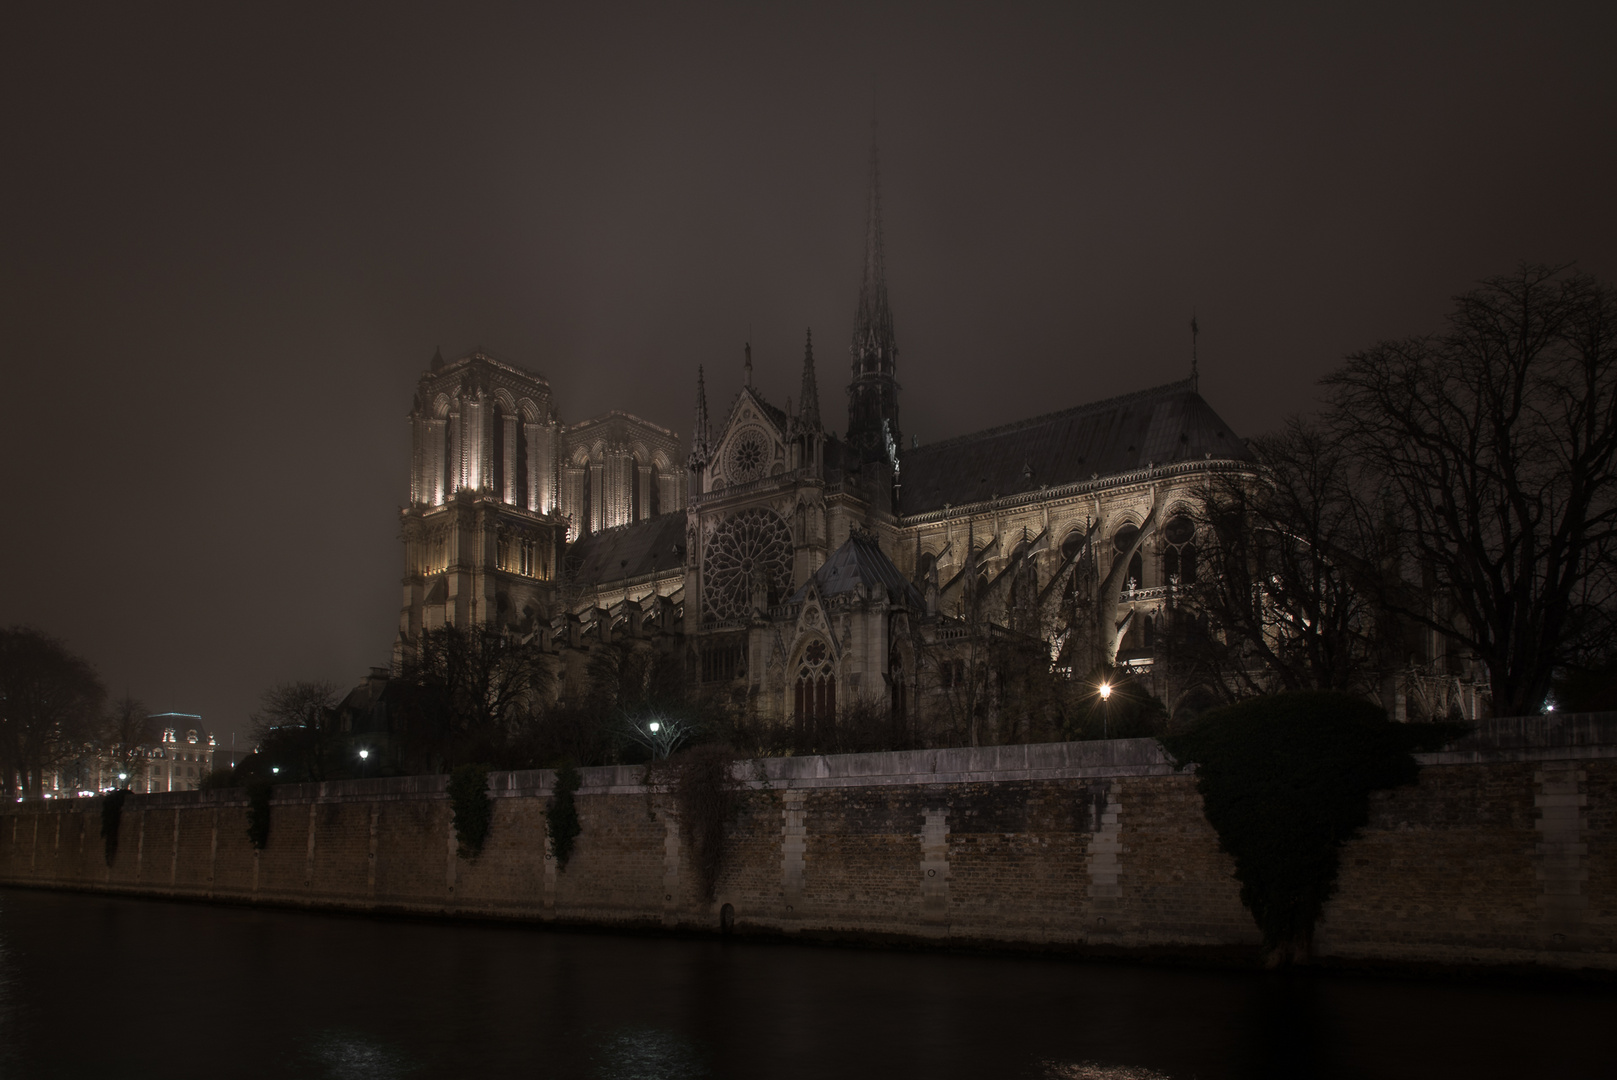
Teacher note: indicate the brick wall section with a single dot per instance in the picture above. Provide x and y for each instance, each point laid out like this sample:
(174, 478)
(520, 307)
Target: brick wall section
(1504, 852)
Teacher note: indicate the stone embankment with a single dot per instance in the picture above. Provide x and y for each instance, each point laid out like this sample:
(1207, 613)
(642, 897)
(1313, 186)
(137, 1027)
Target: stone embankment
(1504, 853)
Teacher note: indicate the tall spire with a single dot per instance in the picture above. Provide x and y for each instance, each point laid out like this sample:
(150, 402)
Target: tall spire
(873, 393)
(809, 400)
(699, 435)
(746, 366)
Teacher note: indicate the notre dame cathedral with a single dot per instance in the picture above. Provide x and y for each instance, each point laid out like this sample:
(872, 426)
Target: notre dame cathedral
(800, 572)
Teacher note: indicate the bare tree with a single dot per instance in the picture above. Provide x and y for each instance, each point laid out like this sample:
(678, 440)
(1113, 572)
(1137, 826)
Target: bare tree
(1284, 596)
(466, 691)
(126, 727)
(297, 722)
(50, 699)
(1495, 439)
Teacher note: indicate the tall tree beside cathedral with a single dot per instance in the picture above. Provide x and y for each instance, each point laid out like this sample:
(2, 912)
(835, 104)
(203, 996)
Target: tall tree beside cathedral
(466, 692)
(1284, 597)
(50, 702)
(1495, 440)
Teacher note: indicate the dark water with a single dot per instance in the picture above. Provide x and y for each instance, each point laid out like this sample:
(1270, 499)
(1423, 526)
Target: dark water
(98, 987)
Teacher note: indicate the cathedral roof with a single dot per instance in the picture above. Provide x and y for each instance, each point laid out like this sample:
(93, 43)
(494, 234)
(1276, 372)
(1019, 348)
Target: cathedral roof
(1159, 426)
(860, 561)
(655, 544)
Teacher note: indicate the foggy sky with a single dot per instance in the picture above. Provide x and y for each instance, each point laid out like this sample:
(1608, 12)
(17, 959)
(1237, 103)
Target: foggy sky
(234, 235)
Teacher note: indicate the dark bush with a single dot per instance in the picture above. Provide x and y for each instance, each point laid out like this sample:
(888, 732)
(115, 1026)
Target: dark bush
(706, 796)
(112, 809)
(1286, 780)
(561, 816)
(258, 813)
(473, 809)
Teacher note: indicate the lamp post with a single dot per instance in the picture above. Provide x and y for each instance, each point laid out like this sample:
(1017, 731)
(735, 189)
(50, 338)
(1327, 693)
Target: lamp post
(363, 756)
(1105, 710)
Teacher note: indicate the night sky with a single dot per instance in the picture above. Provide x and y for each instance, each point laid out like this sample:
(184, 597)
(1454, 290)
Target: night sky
(234, 235)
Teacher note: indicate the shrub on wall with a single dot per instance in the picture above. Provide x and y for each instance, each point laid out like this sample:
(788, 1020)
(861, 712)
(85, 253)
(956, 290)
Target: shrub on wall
(112, 809)
(561, 815)
(473, 809)
(1285, 781)
(706, 796)
(258, 813)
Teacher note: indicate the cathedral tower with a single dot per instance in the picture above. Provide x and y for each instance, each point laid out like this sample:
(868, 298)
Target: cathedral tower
(873, 393)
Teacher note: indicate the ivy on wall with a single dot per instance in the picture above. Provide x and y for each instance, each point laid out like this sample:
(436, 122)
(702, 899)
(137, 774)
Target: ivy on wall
(473, 809)
(258, 813)
(1285, 781)
(707, 796)
(561, 815)
(112, 809)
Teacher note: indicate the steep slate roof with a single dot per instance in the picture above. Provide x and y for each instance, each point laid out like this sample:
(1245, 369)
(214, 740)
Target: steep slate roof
(1165, 424)
(654, 544)
(860, 560)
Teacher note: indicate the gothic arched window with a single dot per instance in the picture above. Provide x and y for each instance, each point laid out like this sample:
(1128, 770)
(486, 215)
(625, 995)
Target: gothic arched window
(1122, 540)
(1072, 546)
(815, 699)
(1179, 550)
(749, 553)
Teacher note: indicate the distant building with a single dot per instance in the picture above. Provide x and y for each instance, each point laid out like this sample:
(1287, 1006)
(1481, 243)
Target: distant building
(182, 757)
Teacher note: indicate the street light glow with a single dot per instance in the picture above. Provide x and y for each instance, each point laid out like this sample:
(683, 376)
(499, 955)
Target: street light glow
(363, 754)
(1105, 691)
(654, 727)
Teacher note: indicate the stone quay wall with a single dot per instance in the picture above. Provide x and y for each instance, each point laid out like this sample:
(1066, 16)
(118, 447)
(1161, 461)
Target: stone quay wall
(1504, 853)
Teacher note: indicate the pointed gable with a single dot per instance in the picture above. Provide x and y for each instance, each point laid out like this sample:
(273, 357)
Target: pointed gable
(860, 561)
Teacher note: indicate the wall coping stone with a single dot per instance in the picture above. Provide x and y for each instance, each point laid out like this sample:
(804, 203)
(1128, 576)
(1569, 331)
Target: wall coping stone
(1553, 737)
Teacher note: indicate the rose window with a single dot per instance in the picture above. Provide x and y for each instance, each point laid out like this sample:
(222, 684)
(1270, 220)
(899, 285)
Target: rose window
(748, 552)
(748, 453)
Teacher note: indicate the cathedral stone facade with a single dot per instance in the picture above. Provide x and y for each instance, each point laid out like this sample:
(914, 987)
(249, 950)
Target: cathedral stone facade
(801, 572)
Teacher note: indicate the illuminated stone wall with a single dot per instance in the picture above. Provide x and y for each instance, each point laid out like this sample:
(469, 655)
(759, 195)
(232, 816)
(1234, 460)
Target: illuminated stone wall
(1501, 854)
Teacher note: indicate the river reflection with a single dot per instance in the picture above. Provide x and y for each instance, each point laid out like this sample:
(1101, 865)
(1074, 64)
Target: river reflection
(93, 986)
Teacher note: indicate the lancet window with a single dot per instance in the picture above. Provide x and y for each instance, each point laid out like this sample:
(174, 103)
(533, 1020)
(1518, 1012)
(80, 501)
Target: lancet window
(1179, 551)
(815, 698)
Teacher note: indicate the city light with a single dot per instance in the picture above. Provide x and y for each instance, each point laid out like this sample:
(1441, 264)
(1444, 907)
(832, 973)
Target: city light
(363, 754)
(1105, 691)
(654, 727)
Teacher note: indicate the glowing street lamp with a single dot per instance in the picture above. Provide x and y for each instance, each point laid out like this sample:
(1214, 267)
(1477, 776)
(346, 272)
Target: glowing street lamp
(1105, 713)
(364, 755)
(1105, 691)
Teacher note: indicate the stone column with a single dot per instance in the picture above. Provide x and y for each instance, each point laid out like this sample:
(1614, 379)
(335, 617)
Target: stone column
(455, 474)
(598, 496)
(537, 493)
(509, 464)
(643, 482)
(436, 488)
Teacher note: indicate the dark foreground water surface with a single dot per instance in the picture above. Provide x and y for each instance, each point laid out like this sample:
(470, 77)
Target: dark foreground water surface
(99, 987)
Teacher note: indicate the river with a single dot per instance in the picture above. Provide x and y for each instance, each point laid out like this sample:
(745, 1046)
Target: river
(94, 986)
